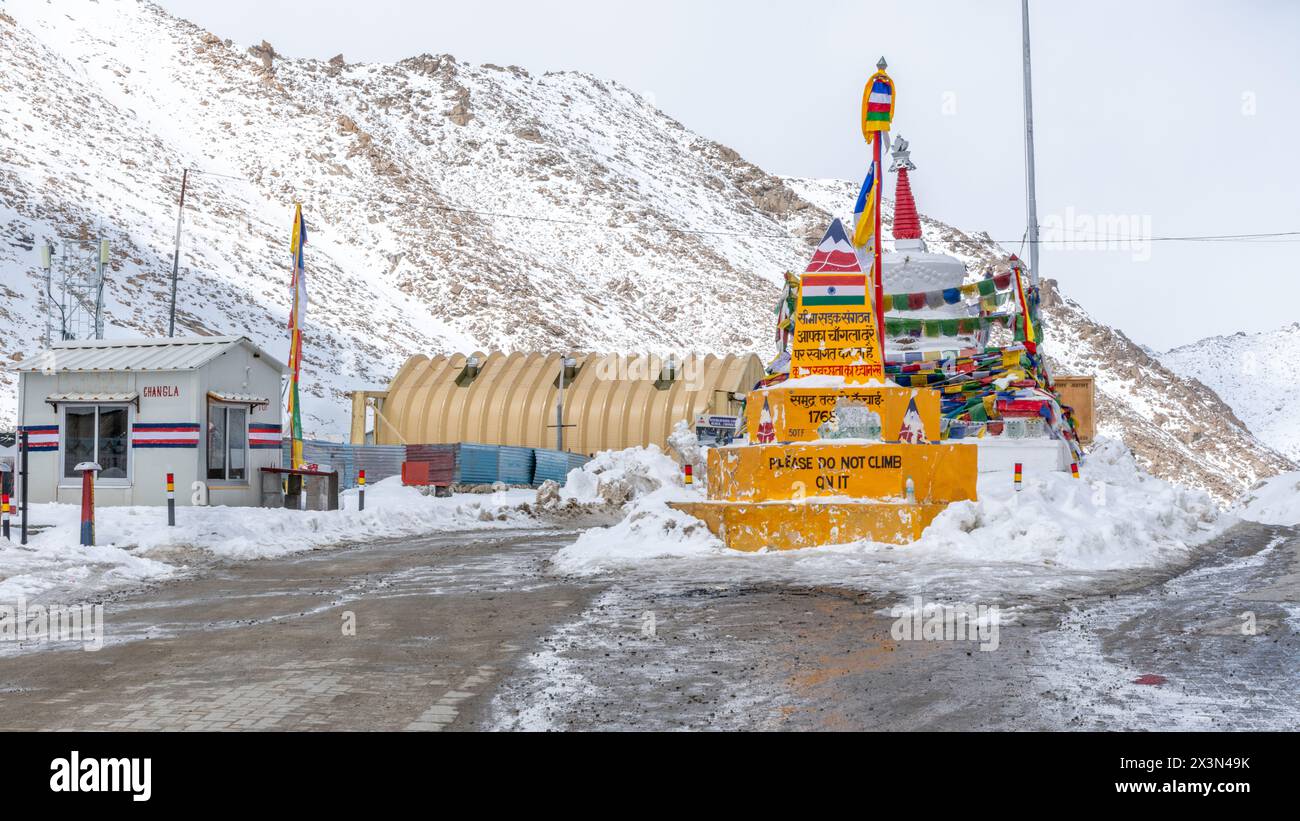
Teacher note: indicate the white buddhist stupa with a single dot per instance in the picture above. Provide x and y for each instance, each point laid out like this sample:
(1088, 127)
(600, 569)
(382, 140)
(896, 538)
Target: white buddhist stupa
(912, 268)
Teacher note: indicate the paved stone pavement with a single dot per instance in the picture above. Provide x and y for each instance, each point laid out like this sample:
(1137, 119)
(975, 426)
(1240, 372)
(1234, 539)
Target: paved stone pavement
(261, 645)
(774, 657)
(472, 631)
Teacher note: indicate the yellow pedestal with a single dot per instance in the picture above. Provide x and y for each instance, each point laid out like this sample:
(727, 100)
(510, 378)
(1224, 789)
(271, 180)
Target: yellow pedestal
(796, 413)
(790, 526)
(766, 473)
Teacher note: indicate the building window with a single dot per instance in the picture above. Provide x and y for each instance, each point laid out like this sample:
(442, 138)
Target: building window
(227, 442)
(96, 433)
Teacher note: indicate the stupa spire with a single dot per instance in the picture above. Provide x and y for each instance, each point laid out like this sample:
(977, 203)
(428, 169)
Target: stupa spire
(907, 223)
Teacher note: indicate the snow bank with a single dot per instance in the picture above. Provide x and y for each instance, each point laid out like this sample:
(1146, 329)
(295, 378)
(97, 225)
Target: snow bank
(1114, 517)
(1273, 501)
(134, 544)
(643, 480)
(620, 476)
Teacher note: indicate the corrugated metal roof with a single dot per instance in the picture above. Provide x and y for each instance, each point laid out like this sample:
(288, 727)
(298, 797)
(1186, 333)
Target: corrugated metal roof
(238, 398)
(177, 354)
(65, 398)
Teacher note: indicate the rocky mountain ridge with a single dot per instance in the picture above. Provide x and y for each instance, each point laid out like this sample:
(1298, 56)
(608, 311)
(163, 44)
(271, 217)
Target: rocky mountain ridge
(450, 207)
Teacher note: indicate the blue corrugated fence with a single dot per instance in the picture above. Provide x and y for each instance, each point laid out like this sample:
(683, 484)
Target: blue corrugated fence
(475, 464)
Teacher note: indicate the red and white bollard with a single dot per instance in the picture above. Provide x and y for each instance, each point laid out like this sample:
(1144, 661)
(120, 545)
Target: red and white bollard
(688, 475)
(88, 471)
(171, 500)
(1018, 476)
(1074, 469)
(361, 490)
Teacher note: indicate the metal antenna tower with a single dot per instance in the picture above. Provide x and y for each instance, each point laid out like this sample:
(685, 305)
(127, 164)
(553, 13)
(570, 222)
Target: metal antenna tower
(74, 288)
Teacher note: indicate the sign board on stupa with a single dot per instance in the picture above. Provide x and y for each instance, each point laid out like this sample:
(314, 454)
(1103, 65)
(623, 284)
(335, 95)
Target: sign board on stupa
(781, 414)
(835, 331)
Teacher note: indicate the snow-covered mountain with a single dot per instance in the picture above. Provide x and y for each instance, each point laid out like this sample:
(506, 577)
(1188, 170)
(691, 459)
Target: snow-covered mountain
(1256, 375)
(413, 176)
(648, 236)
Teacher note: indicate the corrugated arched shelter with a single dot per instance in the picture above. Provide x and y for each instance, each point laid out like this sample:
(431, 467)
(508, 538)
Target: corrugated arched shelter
(610, 401)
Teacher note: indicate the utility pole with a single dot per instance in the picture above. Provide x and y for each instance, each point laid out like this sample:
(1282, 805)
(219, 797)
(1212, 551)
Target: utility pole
(176, 256)
(1031, 204)
(565, 363)
(47, 264)
(99, 289)
(559, 410)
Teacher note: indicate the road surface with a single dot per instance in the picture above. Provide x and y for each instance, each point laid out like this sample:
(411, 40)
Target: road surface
(473, 631)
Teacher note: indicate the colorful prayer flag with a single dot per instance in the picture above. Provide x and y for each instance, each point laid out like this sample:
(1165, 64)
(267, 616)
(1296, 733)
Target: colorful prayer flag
(864, 211)
(297, 313)
(877, 104)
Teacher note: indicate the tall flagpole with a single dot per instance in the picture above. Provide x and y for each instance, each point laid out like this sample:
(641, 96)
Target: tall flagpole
(877, 114)
(877, 267)
(1031, 203)
(296, 315)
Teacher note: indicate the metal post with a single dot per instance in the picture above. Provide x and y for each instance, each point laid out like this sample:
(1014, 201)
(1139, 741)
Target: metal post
(4, 517)
(88, 471)
(1017, 476)
(171, 500)
(99, 291)
(22, 487)
(1030, 186)
(559, 410)
(176, 256)
(47, 262)
(361, 490)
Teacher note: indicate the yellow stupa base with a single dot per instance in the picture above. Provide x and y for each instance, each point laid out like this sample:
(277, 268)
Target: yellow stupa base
(876, 471)
(793, 525)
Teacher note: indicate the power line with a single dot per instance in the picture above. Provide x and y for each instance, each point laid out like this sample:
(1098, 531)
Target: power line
(1275, 235)
(1022, 240)
(1280, 236)
(593, 224)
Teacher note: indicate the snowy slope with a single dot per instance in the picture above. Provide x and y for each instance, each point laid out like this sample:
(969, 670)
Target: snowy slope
(1176, 427)
(413, 176)
(103, 103)
(1256, 375)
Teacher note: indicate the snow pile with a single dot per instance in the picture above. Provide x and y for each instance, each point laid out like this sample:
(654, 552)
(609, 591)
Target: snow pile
(134, 544)
(686, 445)
(644, 480)
(616, 477)
(651, 530)
(1273, 501)
(1115, 517)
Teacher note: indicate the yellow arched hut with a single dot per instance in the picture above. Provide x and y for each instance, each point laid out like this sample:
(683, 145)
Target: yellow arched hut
(610, 401)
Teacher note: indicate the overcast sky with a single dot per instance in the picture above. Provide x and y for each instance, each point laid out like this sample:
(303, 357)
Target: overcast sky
(1182, 118)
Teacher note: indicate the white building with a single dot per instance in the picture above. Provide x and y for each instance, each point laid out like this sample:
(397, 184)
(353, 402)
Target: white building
(206, 409)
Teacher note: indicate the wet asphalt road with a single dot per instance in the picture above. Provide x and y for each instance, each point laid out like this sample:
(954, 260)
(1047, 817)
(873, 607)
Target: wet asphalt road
(473, 631)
